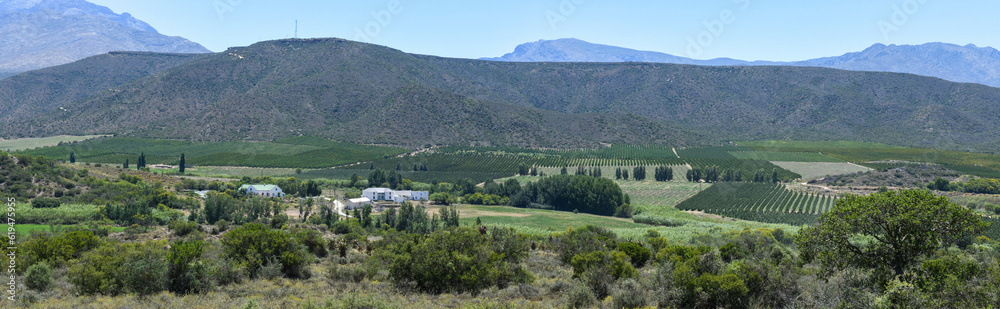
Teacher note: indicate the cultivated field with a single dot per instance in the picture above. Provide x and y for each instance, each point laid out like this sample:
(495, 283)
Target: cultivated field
(654, 197)
(30, 143)
(979, 164)
(544, 222)
(762, 202)
(23, 230)
(813, 170)
(784, 156)
(299, 152)
(234, 171)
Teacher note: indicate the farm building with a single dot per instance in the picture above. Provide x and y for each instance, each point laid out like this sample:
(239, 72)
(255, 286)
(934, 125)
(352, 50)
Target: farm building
(263, 190)
(385, 194)
(358, 202)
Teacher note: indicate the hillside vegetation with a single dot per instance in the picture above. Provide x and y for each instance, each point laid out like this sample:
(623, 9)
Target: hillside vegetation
(364, 93)
(293, 152)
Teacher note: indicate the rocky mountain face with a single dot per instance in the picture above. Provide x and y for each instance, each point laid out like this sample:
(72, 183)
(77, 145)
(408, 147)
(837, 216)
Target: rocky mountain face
(43, 33)
(967, 64)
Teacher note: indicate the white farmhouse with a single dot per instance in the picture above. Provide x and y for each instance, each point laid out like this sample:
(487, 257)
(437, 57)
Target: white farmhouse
(401, 196)
(358, 202)
(263, 190)
(386, 194)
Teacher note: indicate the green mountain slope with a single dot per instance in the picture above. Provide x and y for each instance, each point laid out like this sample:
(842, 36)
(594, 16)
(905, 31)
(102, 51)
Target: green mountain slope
(46, 90)
(371, 94)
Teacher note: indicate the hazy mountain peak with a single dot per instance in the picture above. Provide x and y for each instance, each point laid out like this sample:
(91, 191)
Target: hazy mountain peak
(969, 63)
(952, 62)
(42, 33)
(576, 50)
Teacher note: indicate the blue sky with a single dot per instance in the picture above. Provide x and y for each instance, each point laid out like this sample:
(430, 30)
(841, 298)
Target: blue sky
(742, 29)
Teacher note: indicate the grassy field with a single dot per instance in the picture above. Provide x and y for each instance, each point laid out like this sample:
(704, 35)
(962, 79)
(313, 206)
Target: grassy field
(979, 164)
(813, 170)
(30, 143)
(544, 222)
(27, 229)
(784, 156)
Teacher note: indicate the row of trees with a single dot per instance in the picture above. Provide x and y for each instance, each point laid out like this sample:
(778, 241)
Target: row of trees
(594, 195)
(638, 173)
(981, 185)
(140, 163)
(713, 174)
(224, 207)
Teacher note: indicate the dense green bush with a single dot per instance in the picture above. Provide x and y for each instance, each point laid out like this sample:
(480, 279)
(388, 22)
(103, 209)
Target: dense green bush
(114, 269)
(56, 250)
(38, 276)
(583, 240)
(182, 228)
(45, 203)
(637, 253)
(312, 240)
(186, 272)
(253, 244)
(615, 262)
(459, 260)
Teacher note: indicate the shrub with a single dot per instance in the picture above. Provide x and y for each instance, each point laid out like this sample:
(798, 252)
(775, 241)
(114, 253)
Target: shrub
(616, 262)
(45, 203)
(57, 250)
(38, 276)
(580, 297)
(222, 225)
(629, 295)
(731, 252)
(636, 253)
(584, 240)
(339, 273)
(133, 231)
(139, 268)
(460, 259)
(253, 245)
(624, 211)
(279, 220)
(270, 270)
(186, 272)
(651, 220)
(182, 228)
(226, 271)
(312, 240)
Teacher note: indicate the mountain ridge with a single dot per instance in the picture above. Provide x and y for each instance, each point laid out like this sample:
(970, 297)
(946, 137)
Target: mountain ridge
(358, 92)
(968, 63)
(36, 34)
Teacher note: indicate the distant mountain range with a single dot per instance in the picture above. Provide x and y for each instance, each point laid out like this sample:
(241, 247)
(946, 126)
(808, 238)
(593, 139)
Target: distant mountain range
(968, 64)
(36, 34)
(363, 93)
